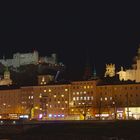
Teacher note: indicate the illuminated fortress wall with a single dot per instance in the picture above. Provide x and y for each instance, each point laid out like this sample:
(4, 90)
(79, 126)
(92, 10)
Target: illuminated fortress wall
(20, 59)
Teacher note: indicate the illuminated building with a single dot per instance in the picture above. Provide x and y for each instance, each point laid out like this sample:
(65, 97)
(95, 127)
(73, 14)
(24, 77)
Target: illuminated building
(131, 74)
(10, 102)
(110, 70)
(83, 98)
(76, 100)
(45, 79)
(48, 102)
(120, 100)
(20, 59)
(6, 80)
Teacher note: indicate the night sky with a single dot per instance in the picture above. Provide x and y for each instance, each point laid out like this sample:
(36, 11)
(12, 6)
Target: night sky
(107, 34)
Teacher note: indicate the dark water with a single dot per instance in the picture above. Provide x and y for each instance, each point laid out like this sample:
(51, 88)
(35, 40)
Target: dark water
(74, 130)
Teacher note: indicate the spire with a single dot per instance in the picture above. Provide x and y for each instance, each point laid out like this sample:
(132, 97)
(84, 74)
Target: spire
(94, 72)
(94, 75)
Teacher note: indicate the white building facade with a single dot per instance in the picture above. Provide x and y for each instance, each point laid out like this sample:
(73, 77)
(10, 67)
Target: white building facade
(131, 74)
(20, 59)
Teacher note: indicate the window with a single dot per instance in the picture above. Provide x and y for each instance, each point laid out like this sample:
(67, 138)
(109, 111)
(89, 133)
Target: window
(85, 92)
(77, 93)
(74, 99)
(62, 95)
(66, 89)
(66, 102)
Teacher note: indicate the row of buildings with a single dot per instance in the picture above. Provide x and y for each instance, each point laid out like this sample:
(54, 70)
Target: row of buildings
(88, 99)
(76, 100)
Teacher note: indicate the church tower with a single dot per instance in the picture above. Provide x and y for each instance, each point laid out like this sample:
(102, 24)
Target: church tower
(7, 74)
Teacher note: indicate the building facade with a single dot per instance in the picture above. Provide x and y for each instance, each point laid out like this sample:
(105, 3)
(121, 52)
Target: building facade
(20, 59)
(75, 101)
(10, 103)
(132, 74)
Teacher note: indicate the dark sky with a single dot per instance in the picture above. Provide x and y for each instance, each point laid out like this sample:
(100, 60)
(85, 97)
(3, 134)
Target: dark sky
(107, 33)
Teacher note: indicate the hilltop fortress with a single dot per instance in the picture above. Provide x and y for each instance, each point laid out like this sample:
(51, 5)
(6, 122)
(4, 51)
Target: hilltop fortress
(20, 59)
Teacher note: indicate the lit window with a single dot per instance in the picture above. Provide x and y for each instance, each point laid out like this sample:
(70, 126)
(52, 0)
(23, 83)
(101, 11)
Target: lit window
(50, 106)
(54, 96)
(46, 104)
(101, 99)
(105, 98)
(85, 98)
(62, 95)
(77, 98)
(83, 103)
(81, 98)
(110, 98)
(66, 102)
(79, 103)
(32, 97)
(73, 98)
(36, 107)
(50, 90)
(40, 96)
(45, 90)
(85, 92)
(62, 108)
(72, 110)
(66, 89)
(44, 82)
(58, 102)
(73, 93)
(29, 97)
(77, 93)
(88, 98)
(85, 87)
